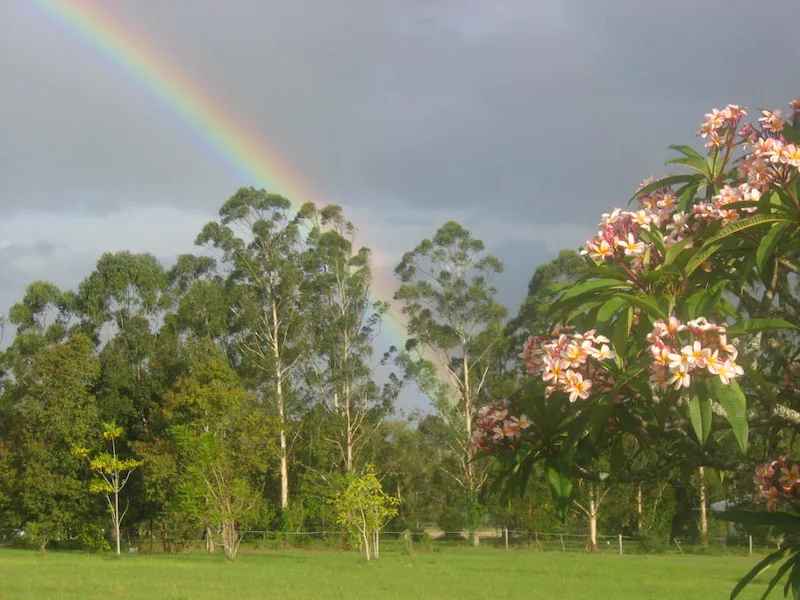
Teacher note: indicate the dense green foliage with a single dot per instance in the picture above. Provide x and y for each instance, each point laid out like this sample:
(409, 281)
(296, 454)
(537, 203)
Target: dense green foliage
(246, 390)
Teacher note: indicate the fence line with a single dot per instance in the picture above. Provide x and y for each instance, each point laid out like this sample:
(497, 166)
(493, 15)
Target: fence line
(497, 537)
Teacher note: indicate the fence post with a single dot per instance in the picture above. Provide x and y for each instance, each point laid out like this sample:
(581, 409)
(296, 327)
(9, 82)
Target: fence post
(561, 537)
(505, 531)
(751, 544)
(620, 544)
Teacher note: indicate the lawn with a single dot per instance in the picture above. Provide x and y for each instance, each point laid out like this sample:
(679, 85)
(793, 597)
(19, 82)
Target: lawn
(296, 575)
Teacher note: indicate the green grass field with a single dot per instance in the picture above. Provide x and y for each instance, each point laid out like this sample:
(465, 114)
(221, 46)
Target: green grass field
(296, 575)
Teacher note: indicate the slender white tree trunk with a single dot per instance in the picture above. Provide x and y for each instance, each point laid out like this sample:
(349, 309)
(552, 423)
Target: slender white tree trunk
(639, 508)
(116, 519)
(365, 537)
(349, 434)
(701, 476)
(591, 516)
(281, 402)
(209, 540)
(592, 525)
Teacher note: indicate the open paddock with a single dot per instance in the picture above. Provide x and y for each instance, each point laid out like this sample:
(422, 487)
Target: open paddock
(315, 574)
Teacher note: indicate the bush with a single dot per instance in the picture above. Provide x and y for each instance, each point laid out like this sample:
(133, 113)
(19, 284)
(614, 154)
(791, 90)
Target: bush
(452, 521)
(92, 537)
(652, 541)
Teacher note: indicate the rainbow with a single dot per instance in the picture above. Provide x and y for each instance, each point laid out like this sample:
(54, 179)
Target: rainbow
(143, 62)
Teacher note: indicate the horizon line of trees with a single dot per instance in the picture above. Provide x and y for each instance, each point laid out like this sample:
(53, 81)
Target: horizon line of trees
(245, 390)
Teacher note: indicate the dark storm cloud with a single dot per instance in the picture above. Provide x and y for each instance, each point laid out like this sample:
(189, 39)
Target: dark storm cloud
(518, 256)
(517, 117)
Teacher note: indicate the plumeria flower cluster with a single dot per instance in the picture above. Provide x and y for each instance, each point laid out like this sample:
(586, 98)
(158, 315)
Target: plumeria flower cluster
(695, 349)
(720, 125)
(620, 231)
(718, 209)
(569, 362)
(619, 234)
(778, 481)
(497, 430)
(770, 159)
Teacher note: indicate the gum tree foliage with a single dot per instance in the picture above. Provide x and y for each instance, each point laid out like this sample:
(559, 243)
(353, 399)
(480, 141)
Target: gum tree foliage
(200, 299)
(454, 328)
(345, 323)
(121, 304)
(261, 244)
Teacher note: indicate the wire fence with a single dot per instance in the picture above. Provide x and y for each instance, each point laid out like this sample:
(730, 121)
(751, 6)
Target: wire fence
(432, 540)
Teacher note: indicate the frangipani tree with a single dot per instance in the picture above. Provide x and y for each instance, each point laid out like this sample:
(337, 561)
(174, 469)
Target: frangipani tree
(656, 336)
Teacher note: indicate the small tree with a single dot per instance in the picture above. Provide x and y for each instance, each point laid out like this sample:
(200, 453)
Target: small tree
(113, 473)
(364, 508)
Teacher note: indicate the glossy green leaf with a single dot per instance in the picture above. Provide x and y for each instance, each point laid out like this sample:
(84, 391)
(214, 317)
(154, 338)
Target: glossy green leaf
(622, 330)
(646, 303)
(591, 286)
(746, 326)
(794, 578)
(556, 287)
(664, 182)
(695, 164)
(768, 244)
(687, 151)
(609, 309)
(734, 402)
(783, 521)
(598, 420)
(791, 134)
(558, 473)
(674, 250)
(755, 376)
(655, 238)
(617, 459)
(778, 576)
(700, 416)
(688, 194)
(708, 304)
(714, 164)
(760, 568)
(713, 244)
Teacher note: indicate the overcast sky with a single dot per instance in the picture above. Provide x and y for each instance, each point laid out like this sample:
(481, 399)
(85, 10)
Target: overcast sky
(521, 119)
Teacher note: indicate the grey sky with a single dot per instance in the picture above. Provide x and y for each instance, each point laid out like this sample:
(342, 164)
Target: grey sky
(523, 120)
